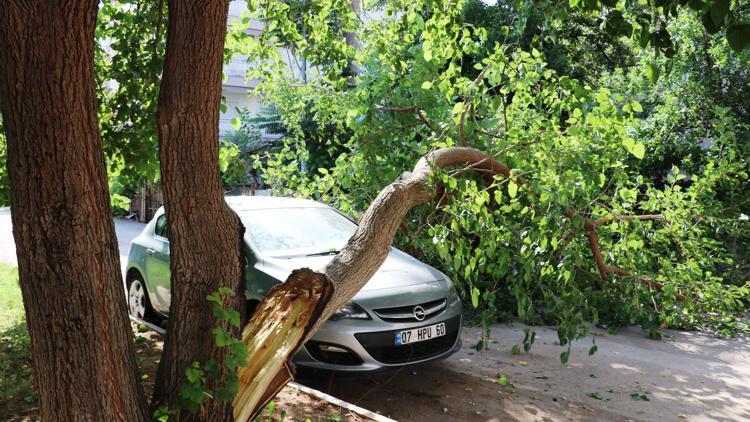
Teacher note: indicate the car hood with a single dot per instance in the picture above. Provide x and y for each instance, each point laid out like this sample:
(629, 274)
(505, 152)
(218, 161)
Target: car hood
(398, 270)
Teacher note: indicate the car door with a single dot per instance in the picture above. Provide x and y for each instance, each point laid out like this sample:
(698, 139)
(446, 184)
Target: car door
(157, 266)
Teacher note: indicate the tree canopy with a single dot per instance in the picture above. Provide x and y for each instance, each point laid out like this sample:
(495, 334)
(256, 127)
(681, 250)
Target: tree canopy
(596, 110)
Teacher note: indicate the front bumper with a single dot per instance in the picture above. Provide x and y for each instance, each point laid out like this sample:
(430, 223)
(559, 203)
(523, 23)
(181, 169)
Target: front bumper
(369, 345)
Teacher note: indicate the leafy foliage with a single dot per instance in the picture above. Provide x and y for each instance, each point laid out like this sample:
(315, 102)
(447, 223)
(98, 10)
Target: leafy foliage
(130, 45)
(205, 381)
(510, 243)
(16, 386)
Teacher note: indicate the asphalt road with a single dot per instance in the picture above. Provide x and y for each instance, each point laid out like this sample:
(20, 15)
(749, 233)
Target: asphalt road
(694, 376)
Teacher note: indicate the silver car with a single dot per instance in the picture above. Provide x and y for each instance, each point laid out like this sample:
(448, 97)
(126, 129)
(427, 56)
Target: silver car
(407, 313)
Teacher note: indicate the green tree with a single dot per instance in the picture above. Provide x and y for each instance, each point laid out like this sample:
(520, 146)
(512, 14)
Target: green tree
(519, 245)
(130, 41)
(65, 238)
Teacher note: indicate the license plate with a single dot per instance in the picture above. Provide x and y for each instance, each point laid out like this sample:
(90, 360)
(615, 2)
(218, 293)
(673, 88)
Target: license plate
(420, 334)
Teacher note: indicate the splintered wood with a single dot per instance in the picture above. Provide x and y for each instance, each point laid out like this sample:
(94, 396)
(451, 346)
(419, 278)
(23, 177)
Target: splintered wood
(273, 334)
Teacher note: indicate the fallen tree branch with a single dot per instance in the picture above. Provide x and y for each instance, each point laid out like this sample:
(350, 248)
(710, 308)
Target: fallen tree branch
(645, 280)
(293, 311)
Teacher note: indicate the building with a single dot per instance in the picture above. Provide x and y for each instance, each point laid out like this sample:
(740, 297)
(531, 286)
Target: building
(237, 89)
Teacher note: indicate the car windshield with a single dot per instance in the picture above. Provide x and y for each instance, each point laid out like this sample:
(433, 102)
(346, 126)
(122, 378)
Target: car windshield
(286, 232)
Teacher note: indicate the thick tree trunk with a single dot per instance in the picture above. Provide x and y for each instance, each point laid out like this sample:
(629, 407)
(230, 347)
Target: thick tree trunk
(205, 234)
(83, 353)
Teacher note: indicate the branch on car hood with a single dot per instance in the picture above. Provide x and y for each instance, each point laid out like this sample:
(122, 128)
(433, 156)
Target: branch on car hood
(292, 312)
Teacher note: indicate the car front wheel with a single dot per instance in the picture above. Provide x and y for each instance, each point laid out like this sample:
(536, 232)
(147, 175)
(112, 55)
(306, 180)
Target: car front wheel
(138, 303)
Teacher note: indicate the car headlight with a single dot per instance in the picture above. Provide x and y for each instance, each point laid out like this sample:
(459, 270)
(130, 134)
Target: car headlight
(350, 310)
(452, 293)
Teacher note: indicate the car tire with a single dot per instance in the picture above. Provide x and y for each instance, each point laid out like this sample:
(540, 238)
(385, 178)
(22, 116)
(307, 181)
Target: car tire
(139, 304)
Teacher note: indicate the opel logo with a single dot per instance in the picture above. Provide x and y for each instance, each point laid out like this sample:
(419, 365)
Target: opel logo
(419, 313)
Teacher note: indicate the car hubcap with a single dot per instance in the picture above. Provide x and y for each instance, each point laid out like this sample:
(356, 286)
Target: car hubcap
(137, 299)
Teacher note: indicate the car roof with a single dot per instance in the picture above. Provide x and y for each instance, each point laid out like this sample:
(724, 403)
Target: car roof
(244, 203)
(240, 203)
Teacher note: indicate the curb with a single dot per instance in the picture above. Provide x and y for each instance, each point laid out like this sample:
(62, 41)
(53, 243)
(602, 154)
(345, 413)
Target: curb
(353, 408)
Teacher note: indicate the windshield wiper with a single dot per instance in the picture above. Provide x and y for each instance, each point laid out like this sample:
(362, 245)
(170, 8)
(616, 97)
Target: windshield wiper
(324, 253)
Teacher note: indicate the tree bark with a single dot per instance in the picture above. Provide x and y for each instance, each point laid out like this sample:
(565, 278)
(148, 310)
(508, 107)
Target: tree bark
(351, 40)
(206, 250)
(83, 353)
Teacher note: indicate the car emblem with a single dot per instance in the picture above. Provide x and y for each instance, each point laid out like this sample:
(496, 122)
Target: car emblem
(419, 313)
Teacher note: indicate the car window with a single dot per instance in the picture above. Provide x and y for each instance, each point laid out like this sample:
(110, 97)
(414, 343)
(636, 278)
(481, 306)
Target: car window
(285, 232)
(161, 229)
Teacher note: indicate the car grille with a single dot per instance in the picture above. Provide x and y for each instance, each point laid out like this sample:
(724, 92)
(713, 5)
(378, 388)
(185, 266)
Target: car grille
(380, 345)
(406, 313)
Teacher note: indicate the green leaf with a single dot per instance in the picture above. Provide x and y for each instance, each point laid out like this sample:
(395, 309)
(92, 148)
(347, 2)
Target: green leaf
(426, 85)
(194, 373)
(474, 297)
(628, 143)
(738, 36)
(503, 380)
(652, 72)
(639, 397)
(221, 337)
(458, 108)
(512, 189)
(639, 150)
(427, 52)
(597, 396)
(617, 25)
(236, 123)
(233, 317)
(564, 357)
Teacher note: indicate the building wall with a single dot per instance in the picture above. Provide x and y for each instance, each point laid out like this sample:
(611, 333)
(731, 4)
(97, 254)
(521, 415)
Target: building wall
(235, 88)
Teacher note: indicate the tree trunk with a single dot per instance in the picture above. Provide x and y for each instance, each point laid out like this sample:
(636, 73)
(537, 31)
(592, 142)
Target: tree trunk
(206, 250)
(351, 40)
(83, 353)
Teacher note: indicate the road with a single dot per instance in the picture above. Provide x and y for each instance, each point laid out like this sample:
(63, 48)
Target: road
(693, 376)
